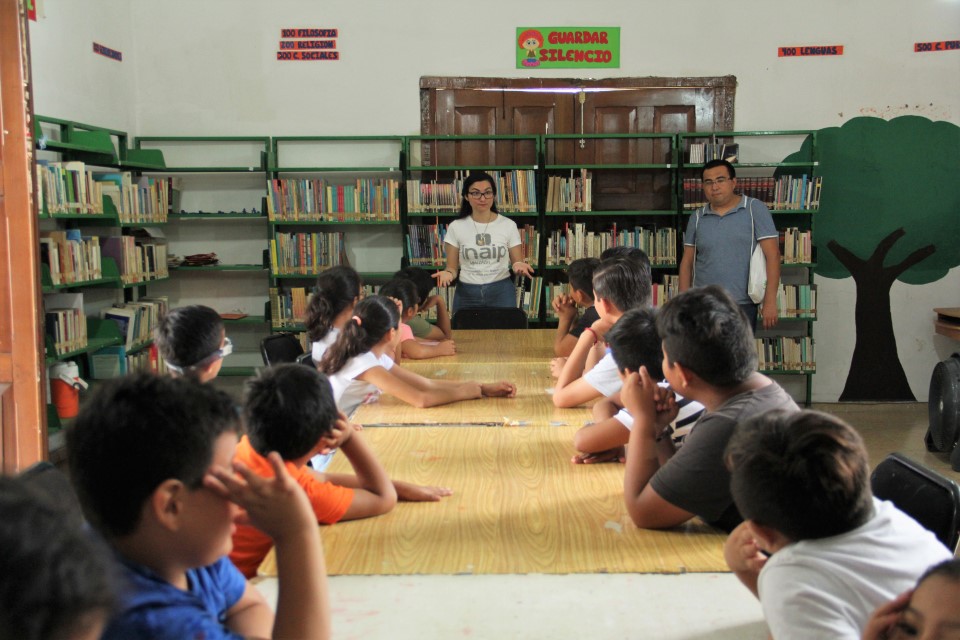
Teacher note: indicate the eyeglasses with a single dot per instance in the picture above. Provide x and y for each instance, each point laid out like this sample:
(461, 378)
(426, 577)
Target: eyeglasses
(220, 353)
(719, 182)
(479, 195)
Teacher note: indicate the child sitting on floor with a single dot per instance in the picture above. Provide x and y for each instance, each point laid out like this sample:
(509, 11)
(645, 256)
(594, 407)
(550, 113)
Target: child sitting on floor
(425, 284)
(406, 292)
(634, 343)
(815, 547)
(151, 460)
(193, 342)
(569, 327)
(289, 409)
(360, 367)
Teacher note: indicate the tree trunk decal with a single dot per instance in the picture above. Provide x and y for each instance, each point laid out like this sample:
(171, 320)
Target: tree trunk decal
(875, 370)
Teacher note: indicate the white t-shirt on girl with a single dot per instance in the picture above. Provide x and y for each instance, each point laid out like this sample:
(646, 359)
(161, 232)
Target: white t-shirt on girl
(484, 248)
(320, 346)
(348, 392)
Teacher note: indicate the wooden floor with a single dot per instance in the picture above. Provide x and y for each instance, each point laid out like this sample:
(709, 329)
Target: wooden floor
(519, 505)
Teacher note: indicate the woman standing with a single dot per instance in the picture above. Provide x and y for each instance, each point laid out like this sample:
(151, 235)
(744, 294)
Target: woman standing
(482, 246)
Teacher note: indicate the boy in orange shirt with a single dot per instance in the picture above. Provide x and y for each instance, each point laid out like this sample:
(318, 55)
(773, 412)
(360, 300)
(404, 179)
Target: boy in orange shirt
(290, 409)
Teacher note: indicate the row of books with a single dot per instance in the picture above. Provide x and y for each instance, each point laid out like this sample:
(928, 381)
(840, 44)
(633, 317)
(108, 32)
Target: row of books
(316, 200)
(785, 193)
(137, 201)
(701, 152)
(516, 193)
(288, 307)
(529, 294)
(114, 361)
(71, 257)
(570, 194)
(306, 253)
(574, 242)
(139, 257)
(65, 323)
(137, 320)
(797, 300)
(796, 246)
(786, 353)
(68, 187)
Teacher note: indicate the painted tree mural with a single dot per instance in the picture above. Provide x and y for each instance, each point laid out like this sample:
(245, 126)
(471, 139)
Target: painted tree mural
(890, 210)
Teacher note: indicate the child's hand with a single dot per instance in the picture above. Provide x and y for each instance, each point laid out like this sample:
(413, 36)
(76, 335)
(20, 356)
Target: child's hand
(565, 307)
(881, 622)
(616, 454)
(639, 396)
(446, 348)
(556, 366)
(277, 506)
(498, 389)
(667, 409)
(399, 304)
(341, 432)
(742, 553)
(409, 492)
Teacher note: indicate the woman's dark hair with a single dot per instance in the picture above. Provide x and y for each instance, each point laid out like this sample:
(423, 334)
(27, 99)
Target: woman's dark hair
(336, 289)
(373, 318)
(469, 181)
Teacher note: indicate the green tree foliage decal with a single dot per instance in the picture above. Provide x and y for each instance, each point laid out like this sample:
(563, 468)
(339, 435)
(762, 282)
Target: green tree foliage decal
(890, 210)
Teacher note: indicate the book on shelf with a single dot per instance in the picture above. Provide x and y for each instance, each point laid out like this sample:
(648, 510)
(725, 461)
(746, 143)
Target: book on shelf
(288, 307)
(125, 320)
(796, 246)
(797, 300)
(71, 257)
(574, 241)
(306, 253)
(318, 200)
(65, 322)
(108, 362)
(529, 293)
(68, 187)
(570, 194)
(703, 152)
(516, 193)
(425, 244)
(785, 353)
(786, 193)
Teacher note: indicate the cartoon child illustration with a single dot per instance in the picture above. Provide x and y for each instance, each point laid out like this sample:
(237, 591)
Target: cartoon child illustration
(531, 40)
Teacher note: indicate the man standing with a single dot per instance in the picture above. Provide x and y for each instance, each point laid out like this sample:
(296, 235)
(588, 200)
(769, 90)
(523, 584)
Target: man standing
(718, 243)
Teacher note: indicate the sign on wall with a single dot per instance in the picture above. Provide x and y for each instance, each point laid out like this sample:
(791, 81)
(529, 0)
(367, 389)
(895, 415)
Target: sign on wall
(308, 44)
(107, 52)
(568, 47)
(818, 50)
(943, 45)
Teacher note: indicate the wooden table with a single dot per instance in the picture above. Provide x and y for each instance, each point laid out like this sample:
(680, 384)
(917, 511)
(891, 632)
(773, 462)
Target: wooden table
(948, 322)
(533, 405)
(507, 345)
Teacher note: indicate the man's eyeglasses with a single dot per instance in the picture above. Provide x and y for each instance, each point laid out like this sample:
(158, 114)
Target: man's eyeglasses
(719, 182)
(478, 195)
(222, 352)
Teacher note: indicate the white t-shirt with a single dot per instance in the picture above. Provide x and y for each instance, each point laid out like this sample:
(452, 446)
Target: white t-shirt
(828, 588)
(604, 377)
(348, 392)
(484, 248)
(320, 346)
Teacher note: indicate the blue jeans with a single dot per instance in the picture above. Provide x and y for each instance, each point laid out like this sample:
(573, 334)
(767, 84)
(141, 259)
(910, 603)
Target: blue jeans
(495, 294)
(750, 310)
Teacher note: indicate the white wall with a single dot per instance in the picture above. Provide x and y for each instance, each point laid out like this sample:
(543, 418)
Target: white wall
(209, 68)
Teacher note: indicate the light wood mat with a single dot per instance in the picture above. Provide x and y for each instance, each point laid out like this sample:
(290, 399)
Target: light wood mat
(508, 345)
(532, 406)
(519, 506)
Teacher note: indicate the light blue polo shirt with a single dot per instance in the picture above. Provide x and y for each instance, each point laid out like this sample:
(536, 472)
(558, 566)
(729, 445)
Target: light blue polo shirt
(724, 245)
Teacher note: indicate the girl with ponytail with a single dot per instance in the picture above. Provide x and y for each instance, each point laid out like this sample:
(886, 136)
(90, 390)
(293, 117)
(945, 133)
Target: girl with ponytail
(336, 292)
(359, 365)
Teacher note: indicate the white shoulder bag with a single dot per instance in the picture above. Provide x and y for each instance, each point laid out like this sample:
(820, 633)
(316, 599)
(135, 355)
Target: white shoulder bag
(757, 278)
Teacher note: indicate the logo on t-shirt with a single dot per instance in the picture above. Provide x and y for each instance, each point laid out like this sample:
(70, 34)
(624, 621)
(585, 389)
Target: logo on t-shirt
(483, 240)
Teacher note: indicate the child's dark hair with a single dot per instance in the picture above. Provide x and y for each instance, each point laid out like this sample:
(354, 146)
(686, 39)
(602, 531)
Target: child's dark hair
(580, 274)
(704, 330)
(469, 181)
(403, 290)
(336, 289)
(623, 282)
(949, 569)
(56, 575)
(136, 432)
(713, 164)
(629, 253)
(187, 335)
(288, 408)
(421, 278)
(634, 342)
(374, 316)
(804, 474)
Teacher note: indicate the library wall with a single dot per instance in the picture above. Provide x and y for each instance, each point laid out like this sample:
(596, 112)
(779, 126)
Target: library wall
(210, 68)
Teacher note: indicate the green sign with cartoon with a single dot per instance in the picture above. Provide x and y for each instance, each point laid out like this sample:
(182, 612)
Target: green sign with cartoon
(568, 47)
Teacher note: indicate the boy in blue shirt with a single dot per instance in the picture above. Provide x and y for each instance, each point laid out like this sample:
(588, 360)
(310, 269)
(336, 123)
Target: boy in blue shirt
(150, 458)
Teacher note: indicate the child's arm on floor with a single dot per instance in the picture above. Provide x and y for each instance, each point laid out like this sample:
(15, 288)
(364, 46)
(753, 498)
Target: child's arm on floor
(279, 507)
(414, 350)
(374, 493)
(419, 391)
(645, 454)
(744, 557)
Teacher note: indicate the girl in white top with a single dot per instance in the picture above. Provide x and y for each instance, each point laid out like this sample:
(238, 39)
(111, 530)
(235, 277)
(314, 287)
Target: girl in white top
(335, 294)
(482, 246)
(359, 364)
